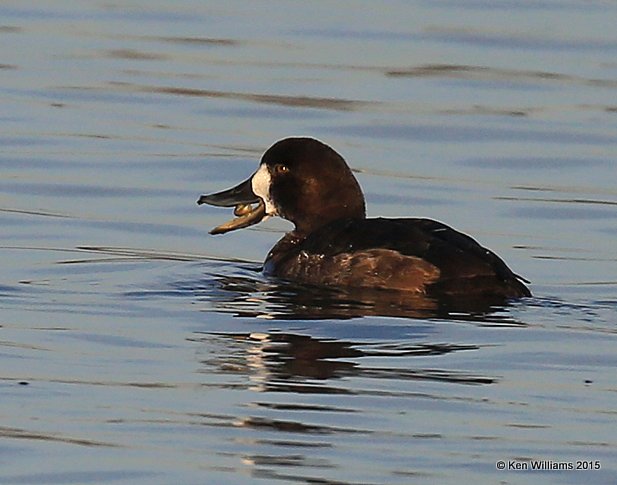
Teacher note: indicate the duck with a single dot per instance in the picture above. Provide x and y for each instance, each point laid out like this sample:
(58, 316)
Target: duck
(334, 244)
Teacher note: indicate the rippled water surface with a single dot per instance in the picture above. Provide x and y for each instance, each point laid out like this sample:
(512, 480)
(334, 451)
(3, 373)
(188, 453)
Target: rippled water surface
(136, 348)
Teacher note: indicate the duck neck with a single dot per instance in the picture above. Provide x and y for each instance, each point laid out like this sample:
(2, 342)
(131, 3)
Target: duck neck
(328, 213)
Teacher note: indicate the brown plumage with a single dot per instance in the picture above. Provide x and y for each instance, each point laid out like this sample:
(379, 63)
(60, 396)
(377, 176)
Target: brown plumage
(334, 244)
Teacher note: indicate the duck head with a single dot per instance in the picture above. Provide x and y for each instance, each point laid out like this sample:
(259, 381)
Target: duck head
(301, 180)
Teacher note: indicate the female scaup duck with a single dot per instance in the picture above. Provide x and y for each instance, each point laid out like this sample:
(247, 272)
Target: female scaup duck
(334, 244)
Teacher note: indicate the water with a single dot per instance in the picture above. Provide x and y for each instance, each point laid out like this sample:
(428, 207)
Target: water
(136, 348)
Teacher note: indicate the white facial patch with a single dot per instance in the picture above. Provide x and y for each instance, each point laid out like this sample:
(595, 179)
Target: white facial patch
(260, 183)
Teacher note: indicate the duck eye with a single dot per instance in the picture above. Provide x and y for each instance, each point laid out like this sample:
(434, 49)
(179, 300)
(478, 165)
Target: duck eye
(280, 168)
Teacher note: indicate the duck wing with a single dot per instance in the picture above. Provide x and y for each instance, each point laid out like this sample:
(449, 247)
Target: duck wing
(464, 265)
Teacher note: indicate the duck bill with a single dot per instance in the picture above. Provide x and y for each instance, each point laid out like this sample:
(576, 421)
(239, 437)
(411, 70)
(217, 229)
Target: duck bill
(241, 197)
(240, 194)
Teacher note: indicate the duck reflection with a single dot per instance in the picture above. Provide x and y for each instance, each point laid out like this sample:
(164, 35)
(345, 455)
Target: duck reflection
(288, 362)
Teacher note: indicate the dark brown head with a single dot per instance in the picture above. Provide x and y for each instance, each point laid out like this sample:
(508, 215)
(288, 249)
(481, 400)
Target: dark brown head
(301, 180)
